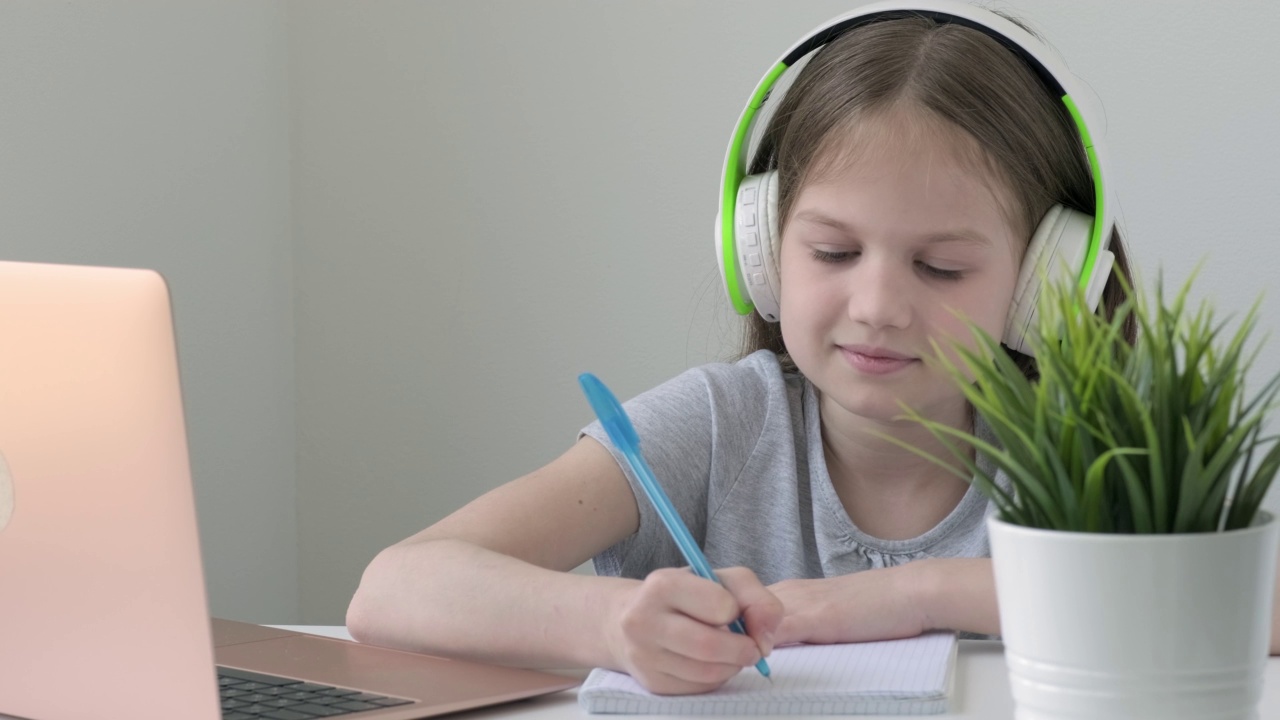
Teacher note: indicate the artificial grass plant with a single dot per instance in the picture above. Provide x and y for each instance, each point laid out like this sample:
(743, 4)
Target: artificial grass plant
(1151, 437)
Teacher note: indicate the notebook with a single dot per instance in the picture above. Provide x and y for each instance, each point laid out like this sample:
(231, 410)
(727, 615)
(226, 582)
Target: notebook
(103, 611)
(895, 677)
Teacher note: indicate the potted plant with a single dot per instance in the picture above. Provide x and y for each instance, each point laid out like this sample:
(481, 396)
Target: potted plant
(1134, 567)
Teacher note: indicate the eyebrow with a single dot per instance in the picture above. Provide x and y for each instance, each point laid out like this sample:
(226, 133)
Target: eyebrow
(962, 235)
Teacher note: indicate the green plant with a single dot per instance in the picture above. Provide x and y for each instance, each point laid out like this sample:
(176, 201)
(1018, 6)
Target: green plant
(1153, 437)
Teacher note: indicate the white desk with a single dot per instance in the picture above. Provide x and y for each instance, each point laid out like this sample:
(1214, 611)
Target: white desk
(982, 688)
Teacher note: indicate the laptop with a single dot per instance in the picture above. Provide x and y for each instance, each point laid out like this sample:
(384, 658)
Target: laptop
(103, 609)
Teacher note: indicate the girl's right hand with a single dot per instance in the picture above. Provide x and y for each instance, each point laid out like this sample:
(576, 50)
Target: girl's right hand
(670, 632)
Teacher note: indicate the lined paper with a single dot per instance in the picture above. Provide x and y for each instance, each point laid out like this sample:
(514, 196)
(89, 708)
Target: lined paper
(892, 677)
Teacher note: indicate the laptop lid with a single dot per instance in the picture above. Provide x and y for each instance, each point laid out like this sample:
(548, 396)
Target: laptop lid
(102, 597)
(99, 558)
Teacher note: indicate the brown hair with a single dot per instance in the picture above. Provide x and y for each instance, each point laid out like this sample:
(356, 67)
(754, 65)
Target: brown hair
(953, 73)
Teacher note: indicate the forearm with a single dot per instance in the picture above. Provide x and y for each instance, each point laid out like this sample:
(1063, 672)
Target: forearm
(456, 599)
(957, 594)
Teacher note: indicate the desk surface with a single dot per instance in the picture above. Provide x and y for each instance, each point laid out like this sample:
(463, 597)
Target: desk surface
(982, 688)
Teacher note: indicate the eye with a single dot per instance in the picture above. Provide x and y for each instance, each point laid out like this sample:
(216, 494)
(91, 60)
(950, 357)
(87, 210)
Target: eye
(938, 272)
(832, 257)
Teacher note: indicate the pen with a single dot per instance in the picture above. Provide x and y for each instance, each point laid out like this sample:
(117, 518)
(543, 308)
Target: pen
(624, 437)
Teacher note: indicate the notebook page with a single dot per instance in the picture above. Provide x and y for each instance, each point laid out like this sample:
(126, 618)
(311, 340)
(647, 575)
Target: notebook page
(888, 677)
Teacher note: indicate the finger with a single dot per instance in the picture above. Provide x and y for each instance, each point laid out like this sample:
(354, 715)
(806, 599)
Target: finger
(714, 605)
(701, 643)
(761, 610)
(706, 601)
(675, 674)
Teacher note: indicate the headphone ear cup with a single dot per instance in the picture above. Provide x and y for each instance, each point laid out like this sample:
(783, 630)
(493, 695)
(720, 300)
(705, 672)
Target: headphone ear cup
(1056, 254)
(757, 241)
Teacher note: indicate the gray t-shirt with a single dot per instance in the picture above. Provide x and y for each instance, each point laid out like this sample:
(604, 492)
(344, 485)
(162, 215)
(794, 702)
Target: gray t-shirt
(738, 448)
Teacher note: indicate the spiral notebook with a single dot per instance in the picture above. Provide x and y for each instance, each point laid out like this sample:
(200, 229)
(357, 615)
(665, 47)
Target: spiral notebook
(893, 677)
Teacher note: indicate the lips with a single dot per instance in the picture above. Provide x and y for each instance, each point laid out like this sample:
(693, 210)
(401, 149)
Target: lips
(876, 352)
(876, 360)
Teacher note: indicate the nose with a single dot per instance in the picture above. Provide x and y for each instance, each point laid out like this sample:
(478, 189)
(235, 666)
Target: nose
(881, 296)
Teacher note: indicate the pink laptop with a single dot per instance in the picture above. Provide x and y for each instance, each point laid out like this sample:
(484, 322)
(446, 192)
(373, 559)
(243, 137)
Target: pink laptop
(103, 610)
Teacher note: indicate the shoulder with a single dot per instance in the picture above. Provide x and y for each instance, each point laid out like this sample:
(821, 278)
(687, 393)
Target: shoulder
(740, 397)
(754, 380)
(760, 367)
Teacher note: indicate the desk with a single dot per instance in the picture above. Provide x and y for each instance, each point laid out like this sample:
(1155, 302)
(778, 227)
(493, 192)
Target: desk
(982, 688)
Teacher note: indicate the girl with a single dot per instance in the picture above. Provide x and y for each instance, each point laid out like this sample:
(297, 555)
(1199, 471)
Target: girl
(915, 157)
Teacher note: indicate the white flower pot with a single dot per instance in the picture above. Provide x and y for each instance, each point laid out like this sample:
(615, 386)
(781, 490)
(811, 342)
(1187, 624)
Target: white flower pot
(1103, 627)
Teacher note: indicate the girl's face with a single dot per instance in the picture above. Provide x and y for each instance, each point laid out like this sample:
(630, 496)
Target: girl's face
(886, 252)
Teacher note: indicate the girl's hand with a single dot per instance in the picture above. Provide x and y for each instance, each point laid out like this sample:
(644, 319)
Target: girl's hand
(670, 633)
(878, 604)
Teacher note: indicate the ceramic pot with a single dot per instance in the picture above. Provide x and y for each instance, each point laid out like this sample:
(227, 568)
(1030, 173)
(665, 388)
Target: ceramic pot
(1103, 627)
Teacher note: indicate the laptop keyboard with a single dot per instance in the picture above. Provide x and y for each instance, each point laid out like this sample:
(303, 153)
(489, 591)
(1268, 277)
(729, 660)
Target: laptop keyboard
(251, 696)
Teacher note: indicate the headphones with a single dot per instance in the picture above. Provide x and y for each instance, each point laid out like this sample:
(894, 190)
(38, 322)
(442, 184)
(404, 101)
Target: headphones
(1067, 243)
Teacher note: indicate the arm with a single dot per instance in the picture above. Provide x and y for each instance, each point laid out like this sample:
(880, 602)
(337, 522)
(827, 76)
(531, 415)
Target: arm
(887, 603)
(961, 596)
(490, 583)
(958, 594)
(950, 593)
(510, 548)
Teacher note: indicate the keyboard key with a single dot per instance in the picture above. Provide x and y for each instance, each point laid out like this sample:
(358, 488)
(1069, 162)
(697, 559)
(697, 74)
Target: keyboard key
(287, 715)
(310, 687)
(253, 686)
(318, 710)
(248, 695)
(299, 695)
(320, 699)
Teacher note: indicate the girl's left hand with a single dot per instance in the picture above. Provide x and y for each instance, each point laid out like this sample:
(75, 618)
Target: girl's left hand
(877, 604)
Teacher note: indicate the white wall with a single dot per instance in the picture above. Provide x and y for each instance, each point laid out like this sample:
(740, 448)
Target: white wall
(494, 196)
(155, 134)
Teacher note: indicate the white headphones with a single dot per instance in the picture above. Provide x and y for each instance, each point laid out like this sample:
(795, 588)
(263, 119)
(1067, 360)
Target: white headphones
(1066, 244)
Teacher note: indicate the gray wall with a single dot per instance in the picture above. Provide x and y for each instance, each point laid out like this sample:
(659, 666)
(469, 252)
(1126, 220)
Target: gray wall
(397, 231)
(492, 197)
(155, 134)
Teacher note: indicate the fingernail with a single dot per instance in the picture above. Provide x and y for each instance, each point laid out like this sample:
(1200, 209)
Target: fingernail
(768, 644)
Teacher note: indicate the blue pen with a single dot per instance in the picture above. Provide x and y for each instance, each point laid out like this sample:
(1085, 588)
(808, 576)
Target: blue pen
(624, 437)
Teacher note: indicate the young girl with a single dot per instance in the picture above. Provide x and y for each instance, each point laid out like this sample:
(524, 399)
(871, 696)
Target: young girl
(915, 158)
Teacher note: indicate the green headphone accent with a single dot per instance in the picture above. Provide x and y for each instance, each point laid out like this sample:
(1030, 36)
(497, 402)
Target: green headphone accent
(734, 171)
(1096, 242)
